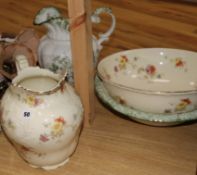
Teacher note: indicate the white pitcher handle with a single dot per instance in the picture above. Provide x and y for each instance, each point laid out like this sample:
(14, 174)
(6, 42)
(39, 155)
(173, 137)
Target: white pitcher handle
(96, 19)
(21, 62)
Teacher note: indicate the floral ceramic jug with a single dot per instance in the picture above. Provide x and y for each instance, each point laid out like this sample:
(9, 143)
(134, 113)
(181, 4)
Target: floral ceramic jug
(54, 51)
(41, 115)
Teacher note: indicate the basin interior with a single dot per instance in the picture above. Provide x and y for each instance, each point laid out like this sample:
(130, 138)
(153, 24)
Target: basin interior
(152, 69)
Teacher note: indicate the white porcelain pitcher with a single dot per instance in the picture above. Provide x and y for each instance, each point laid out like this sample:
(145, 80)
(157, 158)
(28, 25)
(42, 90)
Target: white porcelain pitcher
(54, 51)
(41, 116)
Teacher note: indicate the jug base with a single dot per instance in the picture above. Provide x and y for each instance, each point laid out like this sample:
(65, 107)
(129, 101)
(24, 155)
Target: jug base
(51, 167)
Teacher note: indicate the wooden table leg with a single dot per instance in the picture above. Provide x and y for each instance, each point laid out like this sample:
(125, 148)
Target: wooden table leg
(82, 54)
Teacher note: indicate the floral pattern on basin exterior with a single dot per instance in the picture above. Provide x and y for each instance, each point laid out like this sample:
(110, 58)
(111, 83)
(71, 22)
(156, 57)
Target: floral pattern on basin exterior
(181, 106)
(166, 119)
(184, 103)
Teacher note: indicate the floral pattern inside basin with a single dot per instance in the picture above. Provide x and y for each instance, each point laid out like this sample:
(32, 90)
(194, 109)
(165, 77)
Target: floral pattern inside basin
(148, 71)
(145, 71)
(163, 73)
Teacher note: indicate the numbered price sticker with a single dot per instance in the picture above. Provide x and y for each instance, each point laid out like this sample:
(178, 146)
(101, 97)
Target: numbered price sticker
(26, 114)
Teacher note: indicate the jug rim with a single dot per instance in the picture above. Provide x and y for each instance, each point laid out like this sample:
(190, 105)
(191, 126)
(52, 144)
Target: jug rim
(32, 72)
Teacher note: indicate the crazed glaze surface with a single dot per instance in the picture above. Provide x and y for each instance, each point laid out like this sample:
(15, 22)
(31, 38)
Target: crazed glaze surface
(42, 120)
(153, 80)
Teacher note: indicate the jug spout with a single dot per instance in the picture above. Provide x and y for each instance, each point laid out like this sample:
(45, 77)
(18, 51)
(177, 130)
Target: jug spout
(57, 26)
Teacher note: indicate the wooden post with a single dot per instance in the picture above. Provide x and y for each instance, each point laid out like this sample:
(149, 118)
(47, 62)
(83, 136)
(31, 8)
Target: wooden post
(82, 54)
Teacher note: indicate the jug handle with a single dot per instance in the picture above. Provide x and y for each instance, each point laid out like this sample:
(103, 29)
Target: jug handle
(96, 19)
(21, 62)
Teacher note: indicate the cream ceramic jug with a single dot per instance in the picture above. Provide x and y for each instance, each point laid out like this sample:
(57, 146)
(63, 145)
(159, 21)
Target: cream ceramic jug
(41, 116)
(54, 51)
